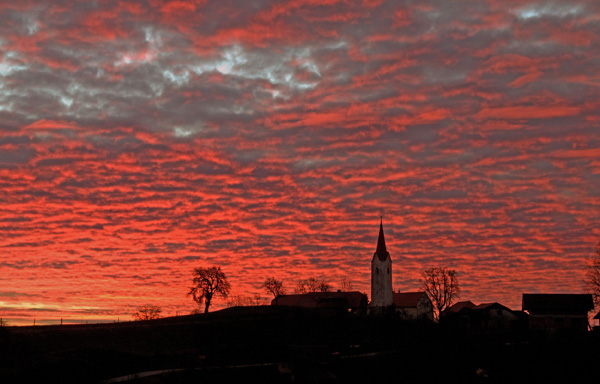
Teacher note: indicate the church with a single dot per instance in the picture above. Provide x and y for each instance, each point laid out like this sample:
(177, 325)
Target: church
(409, 305)
(406, 305)
(381, 275)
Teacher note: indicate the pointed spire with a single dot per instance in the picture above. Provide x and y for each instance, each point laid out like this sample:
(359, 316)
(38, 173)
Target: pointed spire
(381, 248)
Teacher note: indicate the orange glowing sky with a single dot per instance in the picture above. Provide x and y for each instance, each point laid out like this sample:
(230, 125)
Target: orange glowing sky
(141, 139)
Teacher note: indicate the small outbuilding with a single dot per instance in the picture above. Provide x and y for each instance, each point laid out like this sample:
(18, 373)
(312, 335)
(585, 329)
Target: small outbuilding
(554, 312)
(413, 305)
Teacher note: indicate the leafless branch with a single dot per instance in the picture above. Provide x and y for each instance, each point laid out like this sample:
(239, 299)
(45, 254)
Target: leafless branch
(441, 285)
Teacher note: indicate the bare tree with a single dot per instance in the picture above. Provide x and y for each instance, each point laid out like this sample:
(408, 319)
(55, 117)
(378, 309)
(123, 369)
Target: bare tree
(593, 275)
(244, 301)
(274, 287)
(208, 283)
(312, 284)
(346, 284)
(147, 312)
(238, 301)
(300, 288)
(257, 299)
(441, 285)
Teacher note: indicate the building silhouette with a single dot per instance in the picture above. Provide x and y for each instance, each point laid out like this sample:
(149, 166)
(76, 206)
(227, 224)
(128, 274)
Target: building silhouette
(557, 312)
(350, 302)
(381, 276)
(413, 305)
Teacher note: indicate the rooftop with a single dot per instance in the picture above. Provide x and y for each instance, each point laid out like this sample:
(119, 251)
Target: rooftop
(576, 303)
(407, 299)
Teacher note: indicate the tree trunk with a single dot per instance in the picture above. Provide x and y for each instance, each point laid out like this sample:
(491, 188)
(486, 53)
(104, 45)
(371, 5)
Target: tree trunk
(206, 305)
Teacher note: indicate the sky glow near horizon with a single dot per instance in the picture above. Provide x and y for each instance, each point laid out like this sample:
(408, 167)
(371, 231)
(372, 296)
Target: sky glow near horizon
(141, 139)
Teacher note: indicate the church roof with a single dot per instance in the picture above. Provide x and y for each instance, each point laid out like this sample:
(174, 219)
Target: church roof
(381, 250)
(407, 299)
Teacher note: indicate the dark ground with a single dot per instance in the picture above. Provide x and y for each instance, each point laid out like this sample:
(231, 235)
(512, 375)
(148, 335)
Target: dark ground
(285, 345)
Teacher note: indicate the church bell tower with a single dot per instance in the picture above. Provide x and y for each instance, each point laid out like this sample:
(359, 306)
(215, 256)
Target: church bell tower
(381, 275)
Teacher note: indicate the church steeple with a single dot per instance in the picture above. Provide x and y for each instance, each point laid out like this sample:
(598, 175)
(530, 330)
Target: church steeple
(381, 275)
(381, 248)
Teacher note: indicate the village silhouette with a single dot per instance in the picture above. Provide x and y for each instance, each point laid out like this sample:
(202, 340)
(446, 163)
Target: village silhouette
(542, 314)
(321, 336)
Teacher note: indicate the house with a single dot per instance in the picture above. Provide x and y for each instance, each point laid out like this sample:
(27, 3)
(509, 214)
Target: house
(596, 328)
(413, 305)
(483, 318)
(554, 312)
(455, 308)
(351, 302)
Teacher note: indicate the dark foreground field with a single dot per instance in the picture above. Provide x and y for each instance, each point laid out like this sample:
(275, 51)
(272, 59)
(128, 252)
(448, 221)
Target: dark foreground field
(286, 345)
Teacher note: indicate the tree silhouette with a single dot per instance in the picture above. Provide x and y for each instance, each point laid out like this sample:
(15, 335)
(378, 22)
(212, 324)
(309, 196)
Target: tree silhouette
(312, 284)
(441, 285)
(147, 312)
(593, 275)
(244, 300)
(274, 287)
(346, 284)
(209, 282)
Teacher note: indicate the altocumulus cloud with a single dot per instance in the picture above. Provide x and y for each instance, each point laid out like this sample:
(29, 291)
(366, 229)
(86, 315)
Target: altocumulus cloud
(149, 137)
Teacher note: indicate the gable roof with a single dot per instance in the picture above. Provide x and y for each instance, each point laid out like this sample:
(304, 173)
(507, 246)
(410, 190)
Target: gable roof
(494, 305)
(459, 306)
(576, 303)
(467, 307)
(352, 299)
(407, 299)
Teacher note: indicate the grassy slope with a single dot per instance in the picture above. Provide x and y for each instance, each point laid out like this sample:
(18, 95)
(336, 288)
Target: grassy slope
(321, 347)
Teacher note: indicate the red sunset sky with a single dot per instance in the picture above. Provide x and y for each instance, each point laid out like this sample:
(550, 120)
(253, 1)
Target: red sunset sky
(141, 139)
